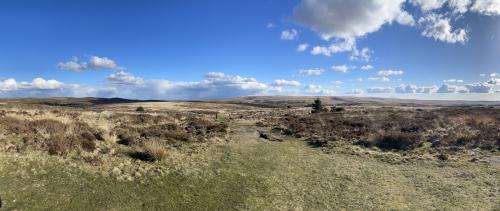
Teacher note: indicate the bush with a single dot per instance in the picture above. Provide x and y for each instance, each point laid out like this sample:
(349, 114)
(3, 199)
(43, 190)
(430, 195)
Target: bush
(59, 145)
(317, 142)
(154, 150)
(140, 109)
(397, 141)
(337, 109)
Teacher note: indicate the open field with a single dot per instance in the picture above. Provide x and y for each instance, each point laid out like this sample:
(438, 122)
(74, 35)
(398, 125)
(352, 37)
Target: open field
(58, 155)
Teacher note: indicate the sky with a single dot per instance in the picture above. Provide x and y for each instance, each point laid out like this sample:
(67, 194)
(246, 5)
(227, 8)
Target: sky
(200, 49)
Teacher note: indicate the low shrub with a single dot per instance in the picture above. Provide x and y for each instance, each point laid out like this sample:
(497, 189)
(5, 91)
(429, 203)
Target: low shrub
(140, 109)
(60, 145)
(154, 150)
(317, 142)
(397, 141)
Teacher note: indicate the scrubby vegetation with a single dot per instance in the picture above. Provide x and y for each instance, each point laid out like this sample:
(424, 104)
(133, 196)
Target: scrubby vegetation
(202, 156)
(66, 132)
(448, 129)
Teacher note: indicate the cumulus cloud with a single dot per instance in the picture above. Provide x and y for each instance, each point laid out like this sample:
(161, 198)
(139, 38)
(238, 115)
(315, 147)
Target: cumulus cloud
(341, 68)
(8, 85)
(289, 34)
(427, 5)
(409, 88)
(311, 72)
(367, 67)
(479, 88)
(402, 89)
(379, 90)
(282, 82)
(459, 6)
(339, 46)
(364, 54)
(390, 72)
(355, 92)
(312, 89)
(302, 47)
(38, 87)
(349, 18)
(382, 78)
(486, 7)
(446, 88)
(124, 78)
(93, 63)
(438, 27)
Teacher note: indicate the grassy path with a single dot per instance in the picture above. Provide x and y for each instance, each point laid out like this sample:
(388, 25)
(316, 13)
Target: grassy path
(249, 173)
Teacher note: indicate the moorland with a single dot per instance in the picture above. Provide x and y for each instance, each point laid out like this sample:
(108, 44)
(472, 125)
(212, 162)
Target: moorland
(250, 153)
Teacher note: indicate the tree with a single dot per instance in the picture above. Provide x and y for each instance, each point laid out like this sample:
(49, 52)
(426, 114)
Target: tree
(317, 105)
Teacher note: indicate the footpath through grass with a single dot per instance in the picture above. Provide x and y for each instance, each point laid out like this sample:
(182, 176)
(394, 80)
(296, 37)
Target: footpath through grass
(249, 173)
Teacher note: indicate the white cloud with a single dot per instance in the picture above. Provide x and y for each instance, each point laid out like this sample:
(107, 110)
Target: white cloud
(38, 87)
(367, 67)
(302, 47)
(337, 82)
(479, 88)
(427, 90)
(312, 89)
(379, 90)
(270, 25)
(40, 83)
(8, 84)
(403, 89)
(486, 7)
(363, 55)
(445, 88)
(345, 45)
(438, 27)
(459, 6)
(453, 81)
(382, 78)
(124, 78)
(494, 75)
(282, 82)
(355, 92)
(349, 18)
(408, 89)
(341, 68)
(482, 75)
(427, 5)
(94, 63)
(390, 72)
(72, 65)
(289, 34)
(494, 81)
(311, 72)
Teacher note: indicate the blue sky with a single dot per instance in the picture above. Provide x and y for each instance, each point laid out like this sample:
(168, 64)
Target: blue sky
(200, 49)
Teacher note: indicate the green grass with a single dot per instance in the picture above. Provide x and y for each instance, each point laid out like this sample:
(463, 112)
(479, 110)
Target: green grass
(249, 173)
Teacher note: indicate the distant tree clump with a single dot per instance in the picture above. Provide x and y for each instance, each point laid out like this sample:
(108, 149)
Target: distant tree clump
(139, 109)
(317, 105)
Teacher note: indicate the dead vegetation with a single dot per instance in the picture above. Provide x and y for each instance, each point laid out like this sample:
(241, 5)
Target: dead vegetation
(66, 132)
(400, 129)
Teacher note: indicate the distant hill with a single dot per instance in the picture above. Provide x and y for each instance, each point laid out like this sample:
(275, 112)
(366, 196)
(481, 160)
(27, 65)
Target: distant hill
(279, 101)
(76, 102)
(261, 101)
